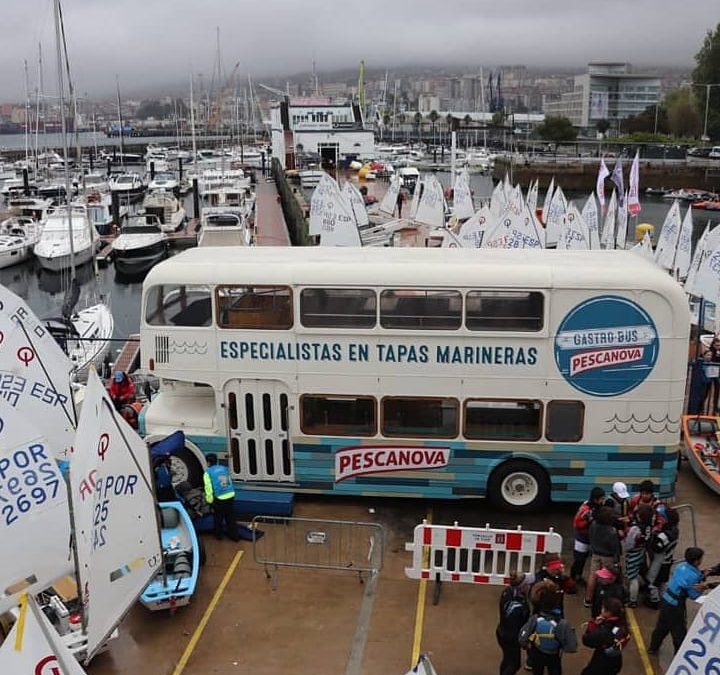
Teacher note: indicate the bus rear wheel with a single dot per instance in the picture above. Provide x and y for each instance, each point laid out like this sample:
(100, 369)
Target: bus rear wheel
(520, 486)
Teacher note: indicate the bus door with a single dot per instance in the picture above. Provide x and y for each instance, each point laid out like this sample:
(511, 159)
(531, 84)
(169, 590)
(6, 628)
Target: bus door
(257, 418)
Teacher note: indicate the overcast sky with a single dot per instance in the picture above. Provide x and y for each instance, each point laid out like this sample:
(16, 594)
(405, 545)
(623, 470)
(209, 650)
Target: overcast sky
(154, 42)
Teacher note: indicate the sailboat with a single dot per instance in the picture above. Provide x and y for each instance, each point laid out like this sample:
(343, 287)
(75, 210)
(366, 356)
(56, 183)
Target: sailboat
(84, 334)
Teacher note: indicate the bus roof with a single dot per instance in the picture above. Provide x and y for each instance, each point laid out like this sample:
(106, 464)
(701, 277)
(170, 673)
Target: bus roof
(409, 266)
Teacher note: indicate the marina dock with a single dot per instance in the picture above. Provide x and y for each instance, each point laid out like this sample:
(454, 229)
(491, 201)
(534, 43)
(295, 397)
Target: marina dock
(270, 226)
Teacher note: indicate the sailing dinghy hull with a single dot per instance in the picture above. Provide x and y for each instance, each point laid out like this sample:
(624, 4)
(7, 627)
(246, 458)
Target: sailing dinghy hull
(702, 448)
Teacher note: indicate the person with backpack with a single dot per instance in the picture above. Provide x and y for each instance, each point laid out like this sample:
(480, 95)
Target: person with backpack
(553, 569)
(546, 635)
(604, 547)
(581, 522)
(662, 546)
(606, 635)
(514, 612)
(635, 547)
(608, 584)
(619, 502)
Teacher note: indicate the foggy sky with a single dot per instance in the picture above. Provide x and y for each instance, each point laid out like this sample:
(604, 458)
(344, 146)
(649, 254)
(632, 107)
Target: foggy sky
(153, 43)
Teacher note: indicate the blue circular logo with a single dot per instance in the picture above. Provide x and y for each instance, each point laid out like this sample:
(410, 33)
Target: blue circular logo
(606, 346)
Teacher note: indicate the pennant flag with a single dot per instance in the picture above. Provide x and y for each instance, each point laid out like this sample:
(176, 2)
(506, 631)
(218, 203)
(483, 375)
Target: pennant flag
(603, 173)
(617, 178)
(683, 254)
(633, 193)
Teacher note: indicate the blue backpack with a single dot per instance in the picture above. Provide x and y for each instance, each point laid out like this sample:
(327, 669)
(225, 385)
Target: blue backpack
(543, 637)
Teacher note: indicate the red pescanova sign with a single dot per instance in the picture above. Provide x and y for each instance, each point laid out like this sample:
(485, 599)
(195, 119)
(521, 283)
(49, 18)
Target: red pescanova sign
(360, 460)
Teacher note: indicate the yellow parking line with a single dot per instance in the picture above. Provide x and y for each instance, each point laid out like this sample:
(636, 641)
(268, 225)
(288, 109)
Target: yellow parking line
(635, 630)
(180, 667)
(420, 608)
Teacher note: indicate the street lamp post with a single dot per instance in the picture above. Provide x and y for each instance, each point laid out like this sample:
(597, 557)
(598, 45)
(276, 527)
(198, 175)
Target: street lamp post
(705, 137)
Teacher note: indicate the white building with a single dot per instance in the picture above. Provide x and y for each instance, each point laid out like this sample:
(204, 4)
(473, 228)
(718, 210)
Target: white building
(608, 91)
(335, 131)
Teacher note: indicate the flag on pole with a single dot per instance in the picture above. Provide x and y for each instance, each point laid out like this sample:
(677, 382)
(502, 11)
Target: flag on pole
(603, 173)
(633, 194)
(617, 178)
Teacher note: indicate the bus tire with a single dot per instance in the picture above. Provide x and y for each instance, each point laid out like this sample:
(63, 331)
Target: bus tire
(520, 486)
(185, 467)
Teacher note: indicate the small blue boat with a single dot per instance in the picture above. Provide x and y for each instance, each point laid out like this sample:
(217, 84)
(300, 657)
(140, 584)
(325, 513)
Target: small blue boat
(182, 551)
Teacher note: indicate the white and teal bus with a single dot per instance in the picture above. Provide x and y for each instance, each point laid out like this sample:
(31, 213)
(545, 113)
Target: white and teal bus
(522, 375)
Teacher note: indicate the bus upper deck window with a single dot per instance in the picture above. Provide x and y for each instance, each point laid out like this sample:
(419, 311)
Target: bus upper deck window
(564, 421)
(412, 309)
(504, 310)
(338, 308)
(254, 307)
(178, 305)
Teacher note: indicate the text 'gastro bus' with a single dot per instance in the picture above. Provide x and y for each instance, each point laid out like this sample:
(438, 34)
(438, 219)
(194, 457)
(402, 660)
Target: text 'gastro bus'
(442, 373)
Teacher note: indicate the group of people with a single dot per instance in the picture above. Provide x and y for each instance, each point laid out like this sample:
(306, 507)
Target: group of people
(705, 381)
(630, 542)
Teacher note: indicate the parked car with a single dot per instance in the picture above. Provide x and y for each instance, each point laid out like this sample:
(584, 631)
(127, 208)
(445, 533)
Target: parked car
(715, 153)
(699, 152)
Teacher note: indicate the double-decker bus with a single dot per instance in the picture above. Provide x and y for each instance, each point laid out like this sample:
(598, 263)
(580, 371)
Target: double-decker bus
(523, 376)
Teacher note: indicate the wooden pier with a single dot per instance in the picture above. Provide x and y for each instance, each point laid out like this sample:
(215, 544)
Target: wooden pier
(129, 357)
(270, 226)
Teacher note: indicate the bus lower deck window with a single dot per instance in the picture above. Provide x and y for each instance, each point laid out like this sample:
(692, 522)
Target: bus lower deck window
(254, 307)
(338, 308)
(420, 417)
(504, 310)
(564, 421)
(497, 420)
(338, 415)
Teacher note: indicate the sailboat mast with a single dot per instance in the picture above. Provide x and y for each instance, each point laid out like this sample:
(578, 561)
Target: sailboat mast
(120, 122)
(39, 91)
(192, 120)
(63, 126)
(27, 116)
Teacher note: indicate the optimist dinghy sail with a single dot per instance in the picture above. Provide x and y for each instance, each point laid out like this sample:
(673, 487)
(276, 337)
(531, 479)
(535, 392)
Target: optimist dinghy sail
(34, 517)
(389, 201)
(35, 374)
(33, 646)
(114, 514)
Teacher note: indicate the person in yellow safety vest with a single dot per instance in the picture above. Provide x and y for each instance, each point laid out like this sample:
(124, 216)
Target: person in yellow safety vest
(220, 494)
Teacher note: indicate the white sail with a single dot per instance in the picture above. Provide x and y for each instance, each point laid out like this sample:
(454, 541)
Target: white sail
(699, 647)
(607, 238)
(322, 192)
(554, 219)
(423, 667)
(668, 239)
(707, 280)
(498, 200)
(684, 246)
(431, 207)
(415, 201)
(389, 201)
(473, 230)
(548, 199)
(35, 373)
(521, 232)
(114, 512)
(592, 220)
(451, 240)
(574, 235)
(622, 225)
(644, 248)
(699, 255)
(497, 235)
(633, 196)
(462, 197)
(35, 521)
(33, 647)
(532, 196)
(357, 204)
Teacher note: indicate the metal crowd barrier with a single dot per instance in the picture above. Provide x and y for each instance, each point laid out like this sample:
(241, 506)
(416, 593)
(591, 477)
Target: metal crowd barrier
(310, 543)
(687, 529)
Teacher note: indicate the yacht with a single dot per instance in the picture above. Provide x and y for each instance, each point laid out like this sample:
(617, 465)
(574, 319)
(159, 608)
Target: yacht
(164, 180)
(141, 244)
(18, 236)
(53, 247)
(99, 209)
(128, 185)
(165, 206)
(225, 227)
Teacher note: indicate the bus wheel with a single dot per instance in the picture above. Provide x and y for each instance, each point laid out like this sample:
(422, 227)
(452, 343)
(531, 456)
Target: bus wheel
(519, 485)
(185, 467)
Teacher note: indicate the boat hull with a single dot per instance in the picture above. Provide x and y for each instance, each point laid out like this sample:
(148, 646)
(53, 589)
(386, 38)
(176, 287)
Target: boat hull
(10, 258)
(139, 262)
(702, 448)
(58, 263)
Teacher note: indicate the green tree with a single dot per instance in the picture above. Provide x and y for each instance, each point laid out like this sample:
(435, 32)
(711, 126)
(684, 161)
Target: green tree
(433, 117)
(602, 126)
(417, 119)
(557, 130)
(707, 71)
(498, 118)
(683, 118)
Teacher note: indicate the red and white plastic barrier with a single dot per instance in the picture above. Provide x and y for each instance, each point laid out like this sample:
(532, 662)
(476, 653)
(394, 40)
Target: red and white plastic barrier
(476, 555)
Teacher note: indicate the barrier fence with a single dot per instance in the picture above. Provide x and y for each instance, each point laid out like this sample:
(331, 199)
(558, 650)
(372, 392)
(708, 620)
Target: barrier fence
(310, 543)
(476, 555)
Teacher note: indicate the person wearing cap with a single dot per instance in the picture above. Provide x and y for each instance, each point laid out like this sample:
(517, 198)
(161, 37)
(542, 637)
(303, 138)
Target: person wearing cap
(553, 569)
(122, 389)
(635, 546)
(687, 581)
(608, 584)
(661, 551)
(581, 523)
(514, 612)
(619, 502)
